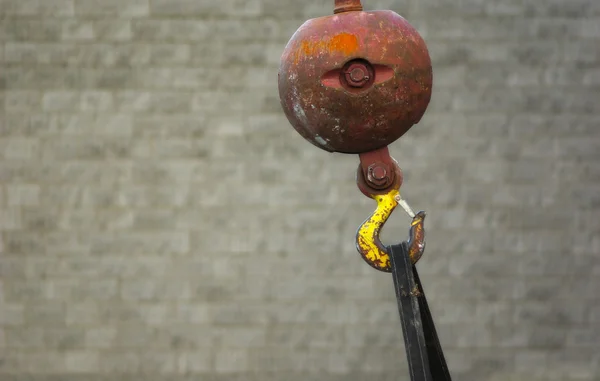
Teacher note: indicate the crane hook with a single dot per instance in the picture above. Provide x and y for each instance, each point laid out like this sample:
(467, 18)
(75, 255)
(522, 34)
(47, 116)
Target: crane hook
(368, 243)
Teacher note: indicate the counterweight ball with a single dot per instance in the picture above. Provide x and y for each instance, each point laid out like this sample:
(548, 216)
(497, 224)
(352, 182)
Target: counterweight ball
(355, 81)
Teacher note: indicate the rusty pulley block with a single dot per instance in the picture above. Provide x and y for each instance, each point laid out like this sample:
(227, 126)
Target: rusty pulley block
(355, 82)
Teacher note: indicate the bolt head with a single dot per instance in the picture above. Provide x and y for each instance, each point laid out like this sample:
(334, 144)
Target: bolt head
(377, 174)
(357, 75)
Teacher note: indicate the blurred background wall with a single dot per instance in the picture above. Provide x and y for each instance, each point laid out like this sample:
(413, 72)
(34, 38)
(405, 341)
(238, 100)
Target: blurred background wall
(162, 221)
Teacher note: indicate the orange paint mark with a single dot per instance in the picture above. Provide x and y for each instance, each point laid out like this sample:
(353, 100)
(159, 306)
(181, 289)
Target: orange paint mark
(345, 43)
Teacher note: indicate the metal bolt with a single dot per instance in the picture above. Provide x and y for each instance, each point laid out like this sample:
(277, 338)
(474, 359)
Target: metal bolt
(357, 75)
(377, 174)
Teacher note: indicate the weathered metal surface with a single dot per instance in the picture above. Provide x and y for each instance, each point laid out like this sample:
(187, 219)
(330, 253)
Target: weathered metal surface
(416, 241)
(368, 243)
(378, 172)
(426, 360)
(355, 81)
(347, 6)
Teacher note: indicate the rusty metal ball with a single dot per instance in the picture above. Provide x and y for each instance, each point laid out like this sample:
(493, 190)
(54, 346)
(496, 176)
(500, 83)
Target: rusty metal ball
(355, 81)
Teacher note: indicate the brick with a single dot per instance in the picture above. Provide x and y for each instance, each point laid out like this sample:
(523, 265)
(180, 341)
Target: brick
(242, 8)
(466, 7)
(64, 339)
(112, 29)
(109, 79)
(74, 148)
(183, 7)
(20, 338)
(97, 101)
(100, 337)
(146, 243)
(82, 362)
(44, 53)
(85, 312)
(41, 362)
(169, 30)
(12, 315)
(20, 148)
(170, 54)
(239, 337)
(14, 125)
(461, 335)
(38, 8)
(178, 79)
(49, 312)
(157, 102)
(22, 100)
(93, 289)
(20, 29)
(160, 362)
(173, 172)
(143, 195)
(231, 360)
(564, 76)
(578, 147)
(131, 8)
(88, 122)
(206, 103)
(23, 195)
(571, 363)
(78, 31)
(119, 362)
(133, 335)
(197, 361)
(555, 8)
(60, 101)
(360, 336)
(122, 57)
(588, 27)
(176, 289)
(13, 268)
(172, 125)
(25, 78)
(11, 219)
(587, 337)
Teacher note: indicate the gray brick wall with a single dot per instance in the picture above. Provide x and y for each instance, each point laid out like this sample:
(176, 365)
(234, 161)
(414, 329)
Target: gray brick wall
(160, 219)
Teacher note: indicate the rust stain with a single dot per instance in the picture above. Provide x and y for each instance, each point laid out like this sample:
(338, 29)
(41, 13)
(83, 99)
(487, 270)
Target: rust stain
(345, 43)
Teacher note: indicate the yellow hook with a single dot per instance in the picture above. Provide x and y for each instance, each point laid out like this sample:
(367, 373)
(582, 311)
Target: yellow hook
(368, 243)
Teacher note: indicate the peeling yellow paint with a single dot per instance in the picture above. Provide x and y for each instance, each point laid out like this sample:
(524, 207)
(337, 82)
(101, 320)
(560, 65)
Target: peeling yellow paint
(367, 237)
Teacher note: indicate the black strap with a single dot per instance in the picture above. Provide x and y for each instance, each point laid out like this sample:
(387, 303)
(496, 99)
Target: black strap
(426, 361)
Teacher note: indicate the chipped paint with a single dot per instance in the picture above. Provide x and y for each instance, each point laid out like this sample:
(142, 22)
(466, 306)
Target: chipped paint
(353, 120)
(368, 243)
(344, 43)
(320, 140)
